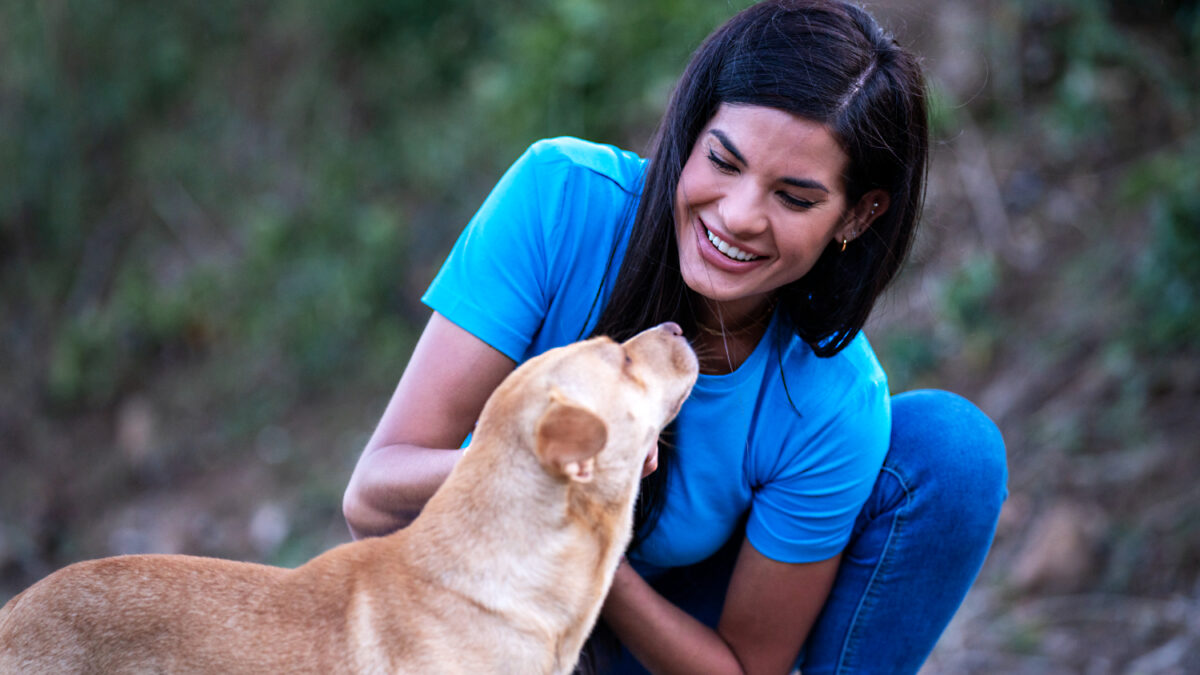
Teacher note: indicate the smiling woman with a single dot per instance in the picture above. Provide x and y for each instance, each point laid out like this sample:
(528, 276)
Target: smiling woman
(760, 198)
(799, 514)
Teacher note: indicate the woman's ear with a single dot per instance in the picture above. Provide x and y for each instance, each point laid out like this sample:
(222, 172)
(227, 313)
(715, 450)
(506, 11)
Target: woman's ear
(869, 207)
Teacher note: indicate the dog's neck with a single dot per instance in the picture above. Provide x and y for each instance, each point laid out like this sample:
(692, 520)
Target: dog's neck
(568, 531)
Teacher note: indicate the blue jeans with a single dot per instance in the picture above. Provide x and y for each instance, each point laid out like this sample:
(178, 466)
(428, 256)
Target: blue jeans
(916, 548)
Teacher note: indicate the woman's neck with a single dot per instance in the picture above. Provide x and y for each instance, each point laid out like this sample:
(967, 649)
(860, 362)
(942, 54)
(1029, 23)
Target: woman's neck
(728, 334)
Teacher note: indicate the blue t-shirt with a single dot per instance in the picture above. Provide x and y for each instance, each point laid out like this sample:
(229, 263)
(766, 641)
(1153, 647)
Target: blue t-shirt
(789, 442)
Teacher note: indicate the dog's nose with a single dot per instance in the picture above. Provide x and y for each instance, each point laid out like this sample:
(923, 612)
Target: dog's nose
(672, 327)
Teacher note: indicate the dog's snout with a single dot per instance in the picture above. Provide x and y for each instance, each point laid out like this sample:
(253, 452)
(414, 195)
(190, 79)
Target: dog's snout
(665, 349)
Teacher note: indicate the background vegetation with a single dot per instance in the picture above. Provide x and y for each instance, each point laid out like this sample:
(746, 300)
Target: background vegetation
(216, 219)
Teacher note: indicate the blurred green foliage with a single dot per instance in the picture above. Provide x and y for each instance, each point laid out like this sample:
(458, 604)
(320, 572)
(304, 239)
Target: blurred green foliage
(1086, 65)
(967, 312)
(1118, 93)
(1168, 271)
(1103, 89)
(269, 185)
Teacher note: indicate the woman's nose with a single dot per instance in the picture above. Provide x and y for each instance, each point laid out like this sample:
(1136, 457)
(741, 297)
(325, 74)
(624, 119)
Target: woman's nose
(742, 211)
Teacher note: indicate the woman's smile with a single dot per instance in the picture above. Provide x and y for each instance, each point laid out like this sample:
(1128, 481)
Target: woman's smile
(730, 251)
(727, 255)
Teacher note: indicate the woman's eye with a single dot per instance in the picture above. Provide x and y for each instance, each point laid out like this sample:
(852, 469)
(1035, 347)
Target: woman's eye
(720, 164)
(795, 202)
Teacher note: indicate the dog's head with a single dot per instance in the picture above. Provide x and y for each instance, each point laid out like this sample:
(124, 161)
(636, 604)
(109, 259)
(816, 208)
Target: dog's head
(594, 407)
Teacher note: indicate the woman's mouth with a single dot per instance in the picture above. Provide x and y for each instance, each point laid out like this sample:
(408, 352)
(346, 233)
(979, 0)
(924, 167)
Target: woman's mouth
(731, 252)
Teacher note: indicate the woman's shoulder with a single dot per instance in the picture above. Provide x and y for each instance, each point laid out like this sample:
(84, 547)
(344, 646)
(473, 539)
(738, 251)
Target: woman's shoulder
(851, 381)
(820, 413)
(622, 167)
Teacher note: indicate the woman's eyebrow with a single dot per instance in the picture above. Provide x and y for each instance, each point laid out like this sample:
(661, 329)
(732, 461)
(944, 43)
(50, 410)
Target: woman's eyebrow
(807, 183)
(728, 144)
(804, 183)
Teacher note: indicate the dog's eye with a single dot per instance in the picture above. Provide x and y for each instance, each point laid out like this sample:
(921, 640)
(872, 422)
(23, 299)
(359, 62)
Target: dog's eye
(627, 372)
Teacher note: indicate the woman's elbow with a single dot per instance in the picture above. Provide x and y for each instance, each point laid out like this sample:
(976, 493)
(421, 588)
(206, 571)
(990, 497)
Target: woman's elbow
(352, 509)
(363, 518)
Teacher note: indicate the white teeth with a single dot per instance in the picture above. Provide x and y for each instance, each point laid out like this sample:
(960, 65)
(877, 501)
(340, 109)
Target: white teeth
(729, 251)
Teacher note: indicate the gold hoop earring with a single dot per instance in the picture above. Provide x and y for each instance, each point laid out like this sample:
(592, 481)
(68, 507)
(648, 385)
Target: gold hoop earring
(844, 242)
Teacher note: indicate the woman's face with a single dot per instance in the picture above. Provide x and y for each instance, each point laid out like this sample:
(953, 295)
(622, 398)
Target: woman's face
(759, 199)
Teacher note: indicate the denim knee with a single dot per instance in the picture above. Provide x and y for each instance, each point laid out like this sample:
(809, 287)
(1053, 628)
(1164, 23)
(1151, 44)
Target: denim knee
(954, 452)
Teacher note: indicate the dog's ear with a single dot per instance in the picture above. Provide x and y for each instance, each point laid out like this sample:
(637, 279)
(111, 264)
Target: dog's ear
(568, 436)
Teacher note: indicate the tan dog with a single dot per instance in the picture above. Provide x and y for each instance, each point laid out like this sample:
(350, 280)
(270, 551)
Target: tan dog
(504, 571)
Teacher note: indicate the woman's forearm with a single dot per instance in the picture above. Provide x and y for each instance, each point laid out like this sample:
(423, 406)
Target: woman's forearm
(390, 486)
(435, 405)
(664, 638)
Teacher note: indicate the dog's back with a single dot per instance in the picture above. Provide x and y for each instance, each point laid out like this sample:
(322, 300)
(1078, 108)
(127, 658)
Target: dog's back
(112, 615)
(338, 613)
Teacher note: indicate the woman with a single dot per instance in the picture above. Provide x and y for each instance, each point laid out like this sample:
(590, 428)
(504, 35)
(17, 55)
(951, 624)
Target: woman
(797, 509)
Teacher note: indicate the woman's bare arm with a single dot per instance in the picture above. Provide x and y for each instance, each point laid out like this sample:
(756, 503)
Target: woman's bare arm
(435, 405)
(769, 609)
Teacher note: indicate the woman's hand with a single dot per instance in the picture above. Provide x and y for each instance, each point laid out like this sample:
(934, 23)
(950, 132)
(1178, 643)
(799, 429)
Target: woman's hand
(448, 379)
(651, 463)
(769, 609)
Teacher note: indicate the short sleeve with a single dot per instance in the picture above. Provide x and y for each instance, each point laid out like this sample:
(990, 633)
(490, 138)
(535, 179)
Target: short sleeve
(805, 510)
(494, 282)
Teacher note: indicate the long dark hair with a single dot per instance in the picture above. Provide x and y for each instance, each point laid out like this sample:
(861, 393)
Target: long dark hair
(826, 61)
